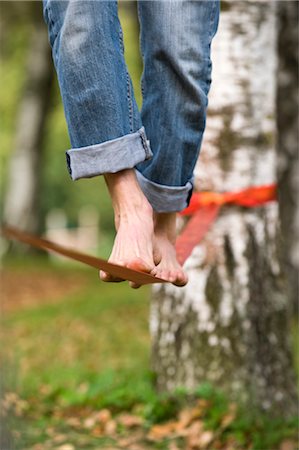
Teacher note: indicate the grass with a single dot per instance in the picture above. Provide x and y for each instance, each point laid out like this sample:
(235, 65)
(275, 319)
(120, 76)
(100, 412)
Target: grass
(90, 350)
(85, 331)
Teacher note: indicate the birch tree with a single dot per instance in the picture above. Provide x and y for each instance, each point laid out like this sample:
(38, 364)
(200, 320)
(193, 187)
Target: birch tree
(229, 325)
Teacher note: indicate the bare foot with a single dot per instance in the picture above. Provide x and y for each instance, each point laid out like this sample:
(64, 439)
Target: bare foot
(164, 249)
(133, 245)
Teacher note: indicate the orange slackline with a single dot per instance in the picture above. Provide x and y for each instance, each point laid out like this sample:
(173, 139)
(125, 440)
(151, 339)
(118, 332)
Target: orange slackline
(204, 208)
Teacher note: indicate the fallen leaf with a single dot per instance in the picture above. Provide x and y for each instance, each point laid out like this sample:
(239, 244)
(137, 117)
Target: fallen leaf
(97, 431)
(89, 422)
(66, 447)
(193, 433)
(190, 429)
(103, 416)
(205, 439)
(203, 404)
(50, 431)
(110, 427)
(158, 432)
(229, 417)
(129, 420)
(288, 444)
(185, 417)
(130, 440)
(58, 438)
(73, 422)
(173, 446)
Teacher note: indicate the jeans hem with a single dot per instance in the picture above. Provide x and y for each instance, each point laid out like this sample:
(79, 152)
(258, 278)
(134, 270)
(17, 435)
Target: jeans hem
(110, 156)
(164, 198)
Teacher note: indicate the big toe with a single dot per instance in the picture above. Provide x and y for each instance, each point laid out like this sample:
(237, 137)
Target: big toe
(180, 279)
(140, 265)
(108, 278)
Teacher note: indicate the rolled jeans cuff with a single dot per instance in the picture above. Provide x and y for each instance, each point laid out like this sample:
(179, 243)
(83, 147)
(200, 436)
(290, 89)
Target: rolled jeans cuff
(165, 198)
(110, 156)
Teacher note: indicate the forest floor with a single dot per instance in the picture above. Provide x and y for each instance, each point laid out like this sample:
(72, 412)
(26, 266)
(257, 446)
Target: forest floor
(77, 373)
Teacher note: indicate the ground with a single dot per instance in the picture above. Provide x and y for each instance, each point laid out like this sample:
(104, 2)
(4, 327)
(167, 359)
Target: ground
(77, 358)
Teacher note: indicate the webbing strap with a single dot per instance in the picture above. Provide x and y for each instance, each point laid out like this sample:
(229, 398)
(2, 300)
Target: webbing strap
(113, 269)
(194, 231)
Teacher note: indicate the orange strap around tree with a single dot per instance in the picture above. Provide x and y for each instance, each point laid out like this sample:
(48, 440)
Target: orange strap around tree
(204, 208)
(253, 196)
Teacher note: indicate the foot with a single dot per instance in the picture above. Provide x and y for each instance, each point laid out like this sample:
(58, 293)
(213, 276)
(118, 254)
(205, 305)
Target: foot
(133, 245)
(164, 249)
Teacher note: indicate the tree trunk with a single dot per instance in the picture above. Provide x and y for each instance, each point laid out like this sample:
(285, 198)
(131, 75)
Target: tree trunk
(229, 325)
(23, 187)
(287, 105)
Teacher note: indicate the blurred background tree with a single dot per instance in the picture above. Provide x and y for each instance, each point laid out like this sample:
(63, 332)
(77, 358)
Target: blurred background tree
(23, 193)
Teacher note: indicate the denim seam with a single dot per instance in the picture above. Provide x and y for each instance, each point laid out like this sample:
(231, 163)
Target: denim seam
(52, 25)
(212, 20)
(141, 52)
(129, 94)
(145, 144)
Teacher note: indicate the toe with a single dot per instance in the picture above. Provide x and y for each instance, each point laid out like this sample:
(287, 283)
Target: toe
(181, 279)
(134, 285)
(140, 265)
(108, 278)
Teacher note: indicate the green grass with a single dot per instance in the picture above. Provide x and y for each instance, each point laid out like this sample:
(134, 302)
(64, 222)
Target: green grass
(72, 341)
(91, 350)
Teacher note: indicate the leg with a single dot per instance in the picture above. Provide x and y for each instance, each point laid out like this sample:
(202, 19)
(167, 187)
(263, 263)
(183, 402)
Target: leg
(103, 119)
(175, 41)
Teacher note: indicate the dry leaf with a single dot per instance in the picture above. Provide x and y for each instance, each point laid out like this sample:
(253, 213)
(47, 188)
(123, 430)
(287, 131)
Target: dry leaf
(185, 417)
(203, 404)
(73, 422)
(158, 432)
(193, 433)
(110, 427)
(173, 446)
(97, 431)
(66, 447)
(103, 416)
(58, 438)
(229, 417)
(130, 440)
(205, 439)
(288, 444)
(89, 422)
(129, 420)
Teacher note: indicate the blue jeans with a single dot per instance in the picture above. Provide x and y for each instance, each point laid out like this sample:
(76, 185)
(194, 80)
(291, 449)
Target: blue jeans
(107, 131)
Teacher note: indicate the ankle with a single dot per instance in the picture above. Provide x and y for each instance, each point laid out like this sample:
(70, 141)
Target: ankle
(126, 194)
(133, 211)
(165, 226)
